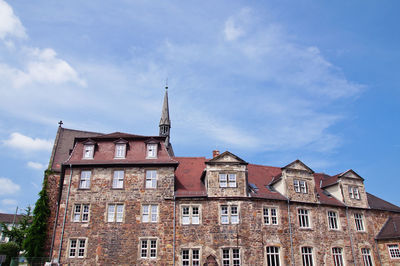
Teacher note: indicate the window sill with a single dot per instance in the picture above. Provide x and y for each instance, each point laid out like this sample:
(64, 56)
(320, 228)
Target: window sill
(305, 228)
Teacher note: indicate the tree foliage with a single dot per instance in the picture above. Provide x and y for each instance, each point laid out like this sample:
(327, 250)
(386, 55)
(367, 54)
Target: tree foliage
(36, 233)
(17, 232)
(10, 249)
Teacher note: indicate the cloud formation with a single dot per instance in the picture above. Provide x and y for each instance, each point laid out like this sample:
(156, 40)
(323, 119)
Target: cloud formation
(36, 166)
(10, 25)
(8, 187)
(26, 143)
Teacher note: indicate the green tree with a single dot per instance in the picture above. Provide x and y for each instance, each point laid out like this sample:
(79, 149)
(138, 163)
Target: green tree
(17, 232)
(33, 244)
(10, 249)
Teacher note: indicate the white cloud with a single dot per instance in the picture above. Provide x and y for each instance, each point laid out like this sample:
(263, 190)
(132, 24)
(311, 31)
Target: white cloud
(25, 143)
(35, 165)
(8, 187)
(8, 202)
(9, 23)
(231, 31)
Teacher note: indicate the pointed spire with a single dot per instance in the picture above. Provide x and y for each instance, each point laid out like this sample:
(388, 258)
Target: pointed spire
(165, 110)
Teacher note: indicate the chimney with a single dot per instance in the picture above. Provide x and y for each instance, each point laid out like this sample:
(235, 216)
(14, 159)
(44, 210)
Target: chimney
(215, 153)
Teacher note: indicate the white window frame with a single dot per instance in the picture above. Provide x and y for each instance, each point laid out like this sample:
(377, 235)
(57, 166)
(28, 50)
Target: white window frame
(227, 180)
(337, 256)
(354, 192)
(150, 213)
(84, 181)
(304, 218)
(118, 179)
(146, 246)
(273, 256)
(359, 222)
(115, 213)
(151, 151)
(230, 256)
(229, 214)
(394, 251)
(81, 212)
(307, 257)
(189, 215)
(88, 151)
(300, 186)
(367, 257)
(333, 220)
(151, 178)
(270, 215)
(120, 151)
(77, 246)
(191, 258)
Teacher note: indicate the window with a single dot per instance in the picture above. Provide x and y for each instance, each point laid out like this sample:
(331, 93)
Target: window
(303, 218)
(190, 257)
(230, 256)
(190, 215)
(229, 214)
(307, 256)
(332, 220)
(148, 248)
(151, 150)
(394, 251)
(88, 151)
(273, 256)
(227, 180)
(118, 179)
(354, 193)
(358, 219)
(300, 186)
(120, 150)
(77, 248)
(151, 179)
(149, 213)
(270, 215)
(115, 213)
(81, 213)
(337, 256)
(366, 255)
(85, 179)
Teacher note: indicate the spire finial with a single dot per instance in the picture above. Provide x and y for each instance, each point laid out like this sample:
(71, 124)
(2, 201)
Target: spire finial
(166, 84)
(60, 123)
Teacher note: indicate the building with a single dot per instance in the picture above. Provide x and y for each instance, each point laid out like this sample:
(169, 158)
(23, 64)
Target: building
(124, 199)
(10, 220)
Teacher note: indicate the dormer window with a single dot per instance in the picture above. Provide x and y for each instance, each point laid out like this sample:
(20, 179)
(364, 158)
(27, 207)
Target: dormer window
(354, 193)
(227, 180)
(152, 150)
(120, 150)
(88, 151)
(300, 186)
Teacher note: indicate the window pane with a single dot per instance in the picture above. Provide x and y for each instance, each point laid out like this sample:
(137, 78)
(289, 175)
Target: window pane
(111, 213)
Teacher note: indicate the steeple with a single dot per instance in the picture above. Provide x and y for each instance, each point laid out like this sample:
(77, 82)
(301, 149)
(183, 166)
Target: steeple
(165, 123)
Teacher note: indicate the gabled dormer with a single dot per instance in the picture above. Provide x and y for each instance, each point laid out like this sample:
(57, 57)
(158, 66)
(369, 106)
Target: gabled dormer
(226, 176)
(88, 149)
(152, 146)
(297, 182)
(352, 188)
(121, 146)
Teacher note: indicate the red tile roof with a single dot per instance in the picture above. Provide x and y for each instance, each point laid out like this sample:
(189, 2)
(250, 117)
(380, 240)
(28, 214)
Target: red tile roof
(188, 175)
(105, 151)
(391, 229)
(10, 218)
(379, 204)
(261, 176)
(324, 198)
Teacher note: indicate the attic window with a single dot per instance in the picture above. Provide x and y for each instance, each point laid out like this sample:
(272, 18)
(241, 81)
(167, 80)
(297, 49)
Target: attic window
(151, 150)
(300, 186)
(354, 193)
(88, 151)
(227, 180)
(253, 187)
(120, 150)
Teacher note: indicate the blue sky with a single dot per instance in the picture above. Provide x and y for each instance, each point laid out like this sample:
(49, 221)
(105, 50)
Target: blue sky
(271, 81)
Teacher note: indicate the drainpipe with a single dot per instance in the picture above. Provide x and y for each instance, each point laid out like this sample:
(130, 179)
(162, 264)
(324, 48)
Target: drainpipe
(290, 232)
(351, 238)
(173, 243)
(65, 213)
(377, 249)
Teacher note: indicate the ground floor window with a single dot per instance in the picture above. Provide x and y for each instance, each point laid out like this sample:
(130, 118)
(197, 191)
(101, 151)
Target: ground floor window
(273, 256)
(190, 257)
(148, 248)
(77, 247)
(231, 257)
(366, 254)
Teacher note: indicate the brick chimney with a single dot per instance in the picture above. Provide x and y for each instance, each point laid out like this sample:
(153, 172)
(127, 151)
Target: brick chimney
(215, 153)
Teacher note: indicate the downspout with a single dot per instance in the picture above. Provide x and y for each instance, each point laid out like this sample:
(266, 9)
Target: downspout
(351, 238)
(290, 232)
(377, 249)
(65, 213)
(173, 243)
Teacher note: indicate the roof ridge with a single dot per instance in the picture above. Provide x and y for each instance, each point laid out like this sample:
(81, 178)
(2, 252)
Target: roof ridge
(85, 131)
